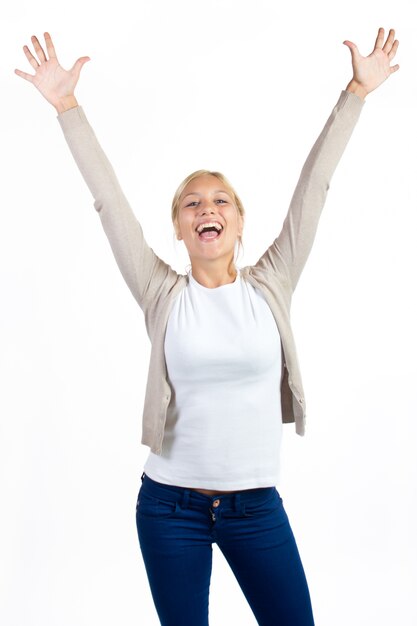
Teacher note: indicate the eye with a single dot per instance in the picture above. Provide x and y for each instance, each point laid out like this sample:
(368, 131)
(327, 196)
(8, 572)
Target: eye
(193, 203)
(221, 200)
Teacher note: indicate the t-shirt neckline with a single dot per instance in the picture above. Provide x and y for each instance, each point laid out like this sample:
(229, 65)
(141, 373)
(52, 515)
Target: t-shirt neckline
(203, 288)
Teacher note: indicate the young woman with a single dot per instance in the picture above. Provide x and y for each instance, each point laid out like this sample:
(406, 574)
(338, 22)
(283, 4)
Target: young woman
(223, 373)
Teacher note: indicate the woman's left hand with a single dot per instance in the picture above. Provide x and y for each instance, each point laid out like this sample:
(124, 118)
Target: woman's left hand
(369, 72)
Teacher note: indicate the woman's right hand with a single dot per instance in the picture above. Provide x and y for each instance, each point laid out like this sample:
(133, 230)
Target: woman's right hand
(55, 84)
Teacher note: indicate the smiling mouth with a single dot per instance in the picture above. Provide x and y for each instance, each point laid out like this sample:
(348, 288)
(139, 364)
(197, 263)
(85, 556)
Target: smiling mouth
(209, 231)
(209, 234)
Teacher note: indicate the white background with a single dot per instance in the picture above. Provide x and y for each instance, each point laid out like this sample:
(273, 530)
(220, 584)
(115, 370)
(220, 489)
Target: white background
(244, 87)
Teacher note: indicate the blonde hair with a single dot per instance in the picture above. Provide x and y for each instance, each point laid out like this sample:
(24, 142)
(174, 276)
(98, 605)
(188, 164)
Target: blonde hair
(176, 200)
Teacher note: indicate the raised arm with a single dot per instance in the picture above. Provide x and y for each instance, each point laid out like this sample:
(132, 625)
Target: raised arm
(141, 268)
(289, 251)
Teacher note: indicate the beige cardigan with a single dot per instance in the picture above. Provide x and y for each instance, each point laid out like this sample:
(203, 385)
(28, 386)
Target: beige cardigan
(154, 284)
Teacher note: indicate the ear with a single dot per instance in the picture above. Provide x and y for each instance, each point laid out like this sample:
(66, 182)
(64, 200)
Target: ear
(177, 230)
(241, 223)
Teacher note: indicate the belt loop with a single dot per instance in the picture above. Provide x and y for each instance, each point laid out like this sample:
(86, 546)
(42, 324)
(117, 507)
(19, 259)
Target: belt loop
(142, 476)
(185, 498)
(238, 504)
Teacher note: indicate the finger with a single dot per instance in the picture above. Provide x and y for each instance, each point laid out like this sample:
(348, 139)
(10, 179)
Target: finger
(78, 65)
(28, 77)
(394, 68)
(353, 48)
(393, 50)
(38, 49)
(388, 44)
(380, 38)
(34, 63)
(49, 46)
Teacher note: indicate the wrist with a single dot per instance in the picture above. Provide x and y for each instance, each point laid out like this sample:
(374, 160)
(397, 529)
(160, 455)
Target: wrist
(65, 103)
(354, 87)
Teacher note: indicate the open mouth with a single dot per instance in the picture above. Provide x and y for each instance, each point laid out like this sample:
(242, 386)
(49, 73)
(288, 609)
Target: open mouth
(209, 232)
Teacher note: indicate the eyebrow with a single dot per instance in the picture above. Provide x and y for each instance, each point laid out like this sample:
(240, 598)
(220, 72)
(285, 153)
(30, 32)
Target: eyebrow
(196, 193)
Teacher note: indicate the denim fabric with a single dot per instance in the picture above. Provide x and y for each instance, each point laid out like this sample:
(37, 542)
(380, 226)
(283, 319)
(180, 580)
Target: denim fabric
(176, 529)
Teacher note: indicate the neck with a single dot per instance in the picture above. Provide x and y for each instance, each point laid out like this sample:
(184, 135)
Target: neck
(212, 275)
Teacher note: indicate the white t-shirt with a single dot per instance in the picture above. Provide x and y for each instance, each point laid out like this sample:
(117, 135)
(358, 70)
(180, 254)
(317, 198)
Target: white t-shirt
(224, 423)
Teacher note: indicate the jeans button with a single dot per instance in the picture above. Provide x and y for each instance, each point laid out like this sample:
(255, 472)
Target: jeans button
(216, 503)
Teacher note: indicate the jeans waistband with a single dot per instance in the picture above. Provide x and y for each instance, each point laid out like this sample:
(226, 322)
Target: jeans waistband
(183, 494)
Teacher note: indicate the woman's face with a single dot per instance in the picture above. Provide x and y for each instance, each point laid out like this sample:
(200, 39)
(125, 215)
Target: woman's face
(207, 200)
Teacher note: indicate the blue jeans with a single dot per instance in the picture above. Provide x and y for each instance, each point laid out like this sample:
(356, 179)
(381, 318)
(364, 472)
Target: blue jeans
(176, 529)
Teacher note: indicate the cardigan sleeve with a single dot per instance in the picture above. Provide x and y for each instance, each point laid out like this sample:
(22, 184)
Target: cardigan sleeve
(141, 268)
(289, 251)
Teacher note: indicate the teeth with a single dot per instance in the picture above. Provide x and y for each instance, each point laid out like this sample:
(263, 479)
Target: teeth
(207, 224)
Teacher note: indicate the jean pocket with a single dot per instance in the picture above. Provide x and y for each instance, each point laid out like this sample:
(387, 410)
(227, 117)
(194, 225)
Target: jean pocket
(263, 506)
(150, 506)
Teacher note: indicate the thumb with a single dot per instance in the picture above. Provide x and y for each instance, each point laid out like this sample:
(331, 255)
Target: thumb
(353, 48)
(78, 64)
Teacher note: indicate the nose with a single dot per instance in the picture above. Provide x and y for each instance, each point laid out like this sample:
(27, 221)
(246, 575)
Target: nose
(206, 207)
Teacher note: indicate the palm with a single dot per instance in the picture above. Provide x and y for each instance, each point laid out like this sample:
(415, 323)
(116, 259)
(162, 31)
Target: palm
(50, 78)
(376, 65)
(53, 81)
